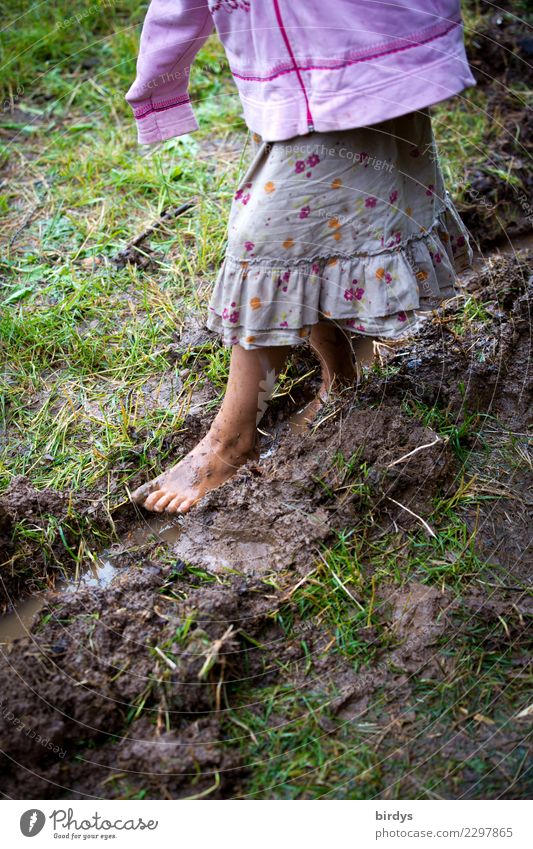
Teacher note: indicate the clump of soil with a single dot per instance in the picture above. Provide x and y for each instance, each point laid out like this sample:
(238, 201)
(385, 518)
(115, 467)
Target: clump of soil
(129, 687)
(31, 560)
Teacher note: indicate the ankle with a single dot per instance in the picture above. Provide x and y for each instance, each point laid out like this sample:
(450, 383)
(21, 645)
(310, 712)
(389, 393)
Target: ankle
(239, 439)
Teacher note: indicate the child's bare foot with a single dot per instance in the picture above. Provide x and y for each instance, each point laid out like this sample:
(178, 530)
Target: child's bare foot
(300, 421)
(211, 463)
(230, 442)
(333, 348)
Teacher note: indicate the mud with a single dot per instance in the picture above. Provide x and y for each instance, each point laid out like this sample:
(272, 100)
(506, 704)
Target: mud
(128, 685)
(497, 203)
(40, 531)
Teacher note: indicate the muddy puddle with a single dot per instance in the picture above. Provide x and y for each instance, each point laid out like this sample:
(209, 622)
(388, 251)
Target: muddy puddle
(19, 620)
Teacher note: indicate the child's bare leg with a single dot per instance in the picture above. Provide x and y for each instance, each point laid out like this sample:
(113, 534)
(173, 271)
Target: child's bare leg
(230, 441)
(341, 357)
(334, 350)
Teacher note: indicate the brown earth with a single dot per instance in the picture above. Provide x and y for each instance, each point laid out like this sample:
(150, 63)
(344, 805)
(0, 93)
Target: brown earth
(131, 683)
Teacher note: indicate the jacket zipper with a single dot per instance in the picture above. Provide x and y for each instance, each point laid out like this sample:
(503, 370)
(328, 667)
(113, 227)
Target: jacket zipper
(310, 125)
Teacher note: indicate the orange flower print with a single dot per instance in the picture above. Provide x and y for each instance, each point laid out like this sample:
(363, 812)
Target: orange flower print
(255, 303)
(288, 243)
(250, 339)
(422, 275)
(303, 333)
(381, 274)
(269, 187)
(337, 183)
(334, 222)
(409, 211)
(332, 261)
(256, 137)
(337, 235)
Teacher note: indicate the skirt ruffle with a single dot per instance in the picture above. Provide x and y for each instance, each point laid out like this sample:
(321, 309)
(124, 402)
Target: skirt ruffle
(383, 294)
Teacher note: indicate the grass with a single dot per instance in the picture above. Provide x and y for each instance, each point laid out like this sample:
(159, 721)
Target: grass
(95, 389)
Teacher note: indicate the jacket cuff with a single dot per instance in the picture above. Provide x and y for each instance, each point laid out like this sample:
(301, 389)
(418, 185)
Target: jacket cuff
(159, 121)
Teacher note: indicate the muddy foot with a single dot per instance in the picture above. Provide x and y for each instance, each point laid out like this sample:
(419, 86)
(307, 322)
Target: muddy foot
(210, 464)
(301, 421)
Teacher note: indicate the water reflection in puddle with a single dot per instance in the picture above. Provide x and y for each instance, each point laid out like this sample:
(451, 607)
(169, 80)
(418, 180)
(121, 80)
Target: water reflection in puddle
(17, 623)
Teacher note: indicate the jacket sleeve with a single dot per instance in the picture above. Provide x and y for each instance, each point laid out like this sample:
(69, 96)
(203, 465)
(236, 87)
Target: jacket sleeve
(173, 33)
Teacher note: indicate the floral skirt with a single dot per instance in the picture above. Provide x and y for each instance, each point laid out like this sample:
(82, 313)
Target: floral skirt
(354, 226)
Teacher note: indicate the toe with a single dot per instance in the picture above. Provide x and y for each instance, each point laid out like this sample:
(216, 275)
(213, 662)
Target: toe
(153, 498)
(138, 495)
(165, 499)
(141, 493)
(186, 505)
(174, 504)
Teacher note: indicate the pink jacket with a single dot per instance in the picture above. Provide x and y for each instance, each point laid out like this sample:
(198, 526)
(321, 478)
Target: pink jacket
(301, 65)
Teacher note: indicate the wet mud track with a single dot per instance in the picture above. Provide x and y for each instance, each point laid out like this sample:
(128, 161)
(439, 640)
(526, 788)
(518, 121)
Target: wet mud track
(129, 688)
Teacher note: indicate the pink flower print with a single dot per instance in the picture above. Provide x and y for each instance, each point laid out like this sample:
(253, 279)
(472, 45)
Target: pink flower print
(402, 316)
(353, 294)
(415, 152)
(398, 237)
(284, 324)
(299, 166)
(363, 157)
(304, 212)
(249, 246)
(460, 241)
(283, 279)
(246, 198)
(360, 327)
(371, 202)
(308, 174)
(234, 317)
(430, 189)
(240, 192)
(225, 313)
(315, 268)
(437, 257)
(393, 197)
(313, 160)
